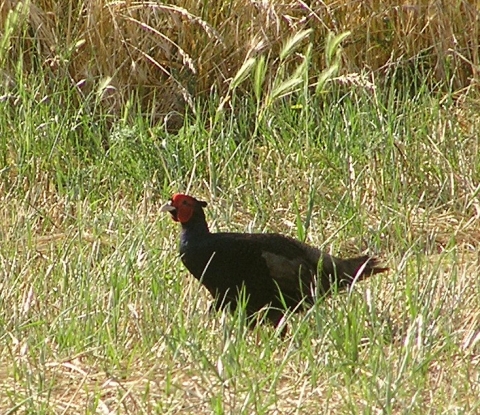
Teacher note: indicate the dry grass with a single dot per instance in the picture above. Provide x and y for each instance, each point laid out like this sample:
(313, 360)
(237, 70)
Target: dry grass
(163, 56)
(79, 386)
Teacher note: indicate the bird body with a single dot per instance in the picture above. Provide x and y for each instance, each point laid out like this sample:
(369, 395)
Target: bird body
(274, 270)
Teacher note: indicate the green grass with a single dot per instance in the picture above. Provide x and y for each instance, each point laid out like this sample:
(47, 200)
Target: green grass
(97, 314)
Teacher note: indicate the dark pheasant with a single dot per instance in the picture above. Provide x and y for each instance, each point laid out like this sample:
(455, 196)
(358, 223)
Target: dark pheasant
(274, 270)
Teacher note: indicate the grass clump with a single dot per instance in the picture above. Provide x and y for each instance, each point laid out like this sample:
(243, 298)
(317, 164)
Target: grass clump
(164, 56)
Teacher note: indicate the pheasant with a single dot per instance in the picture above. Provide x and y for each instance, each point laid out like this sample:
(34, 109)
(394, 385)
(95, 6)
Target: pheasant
(275, 271)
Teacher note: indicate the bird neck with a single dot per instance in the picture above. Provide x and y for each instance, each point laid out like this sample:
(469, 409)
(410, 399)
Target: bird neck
(195, 227)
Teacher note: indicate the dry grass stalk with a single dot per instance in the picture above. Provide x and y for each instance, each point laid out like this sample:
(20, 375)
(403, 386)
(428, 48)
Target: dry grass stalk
(182, 50)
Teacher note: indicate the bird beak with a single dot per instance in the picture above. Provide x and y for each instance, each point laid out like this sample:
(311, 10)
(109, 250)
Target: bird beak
(167, 207)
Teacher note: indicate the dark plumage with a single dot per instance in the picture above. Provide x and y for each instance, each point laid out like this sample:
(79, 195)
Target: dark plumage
(275, 270)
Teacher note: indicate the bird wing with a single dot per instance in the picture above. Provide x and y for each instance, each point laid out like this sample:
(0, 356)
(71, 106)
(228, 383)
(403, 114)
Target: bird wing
(289, 264)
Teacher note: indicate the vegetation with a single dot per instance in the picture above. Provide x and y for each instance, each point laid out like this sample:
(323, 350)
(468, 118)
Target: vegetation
(353, 126)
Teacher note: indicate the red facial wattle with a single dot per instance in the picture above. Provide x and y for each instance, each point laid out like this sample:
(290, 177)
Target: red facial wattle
(181, 207)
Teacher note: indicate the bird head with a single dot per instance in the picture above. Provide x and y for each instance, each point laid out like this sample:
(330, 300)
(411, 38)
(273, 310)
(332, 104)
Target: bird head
(182, 207)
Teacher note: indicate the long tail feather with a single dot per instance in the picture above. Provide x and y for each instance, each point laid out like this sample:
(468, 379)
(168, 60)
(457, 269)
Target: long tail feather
(343, 272)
